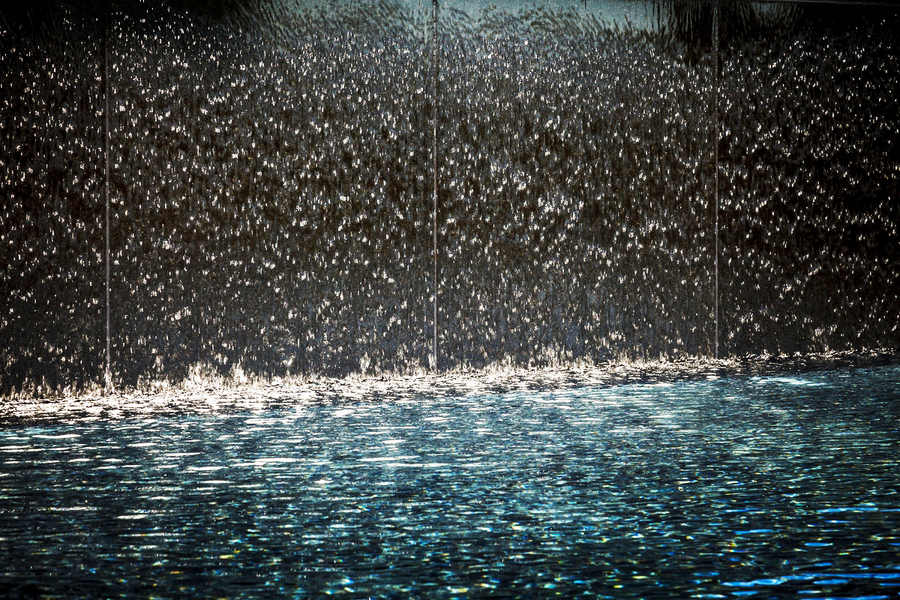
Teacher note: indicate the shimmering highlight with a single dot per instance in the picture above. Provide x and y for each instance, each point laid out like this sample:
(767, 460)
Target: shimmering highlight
(768, 484)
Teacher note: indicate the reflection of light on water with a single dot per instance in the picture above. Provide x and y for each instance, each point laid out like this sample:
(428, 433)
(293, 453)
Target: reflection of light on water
(577, 497)
(822, 579)
(788, 381)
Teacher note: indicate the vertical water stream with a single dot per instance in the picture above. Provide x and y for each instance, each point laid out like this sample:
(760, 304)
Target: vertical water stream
(715, 101)
(434, 151)
(107, 377)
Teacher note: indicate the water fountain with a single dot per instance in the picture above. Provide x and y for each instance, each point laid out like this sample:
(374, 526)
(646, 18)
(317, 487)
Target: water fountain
(570, 220)
(269, 197)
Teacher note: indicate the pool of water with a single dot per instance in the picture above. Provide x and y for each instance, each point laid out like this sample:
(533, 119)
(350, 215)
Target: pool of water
(765, 486)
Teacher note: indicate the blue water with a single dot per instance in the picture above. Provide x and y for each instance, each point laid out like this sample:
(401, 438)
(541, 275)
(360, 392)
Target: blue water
(775, 486)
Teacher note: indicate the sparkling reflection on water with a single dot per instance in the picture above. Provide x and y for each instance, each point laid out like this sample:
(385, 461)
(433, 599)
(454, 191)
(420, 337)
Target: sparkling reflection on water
(761, 486)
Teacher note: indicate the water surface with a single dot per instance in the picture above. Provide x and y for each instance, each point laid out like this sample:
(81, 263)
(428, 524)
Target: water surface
(766, 486)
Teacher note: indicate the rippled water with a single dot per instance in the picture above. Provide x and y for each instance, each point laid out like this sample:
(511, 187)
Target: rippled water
(768, 485)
